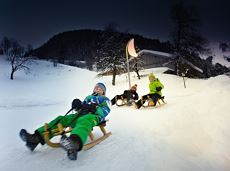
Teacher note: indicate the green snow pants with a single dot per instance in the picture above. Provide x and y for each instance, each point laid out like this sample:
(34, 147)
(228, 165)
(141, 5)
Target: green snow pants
(81, 126)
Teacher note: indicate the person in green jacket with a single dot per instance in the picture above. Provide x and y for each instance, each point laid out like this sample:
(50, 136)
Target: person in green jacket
(155, 87)
(91, 112)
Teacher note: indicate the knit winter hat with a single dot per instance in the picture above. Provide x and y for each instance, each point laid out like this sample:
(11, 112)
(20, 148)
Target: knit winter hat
(152, 77)
(134, 87)
(102, 86)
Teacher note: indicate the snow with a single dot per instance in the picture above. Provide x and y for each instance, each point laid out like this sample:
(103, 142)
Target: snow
(164, 54)
(193, 66)
(191, 132)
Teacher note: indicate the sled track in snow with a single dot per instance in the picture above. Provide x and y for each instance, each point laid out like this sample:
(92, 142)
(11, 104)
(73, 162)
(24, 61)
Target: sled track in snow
(27, 105)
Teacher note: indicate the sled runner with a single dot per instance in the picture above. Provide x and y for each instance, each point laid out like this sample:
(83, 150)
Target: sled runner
(60, 130)
(150, 103)
(123, 102)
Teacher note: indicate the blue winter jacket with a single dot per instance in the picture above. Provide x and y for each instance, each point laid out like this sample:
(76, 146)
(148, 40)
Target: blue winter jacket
(102, 103)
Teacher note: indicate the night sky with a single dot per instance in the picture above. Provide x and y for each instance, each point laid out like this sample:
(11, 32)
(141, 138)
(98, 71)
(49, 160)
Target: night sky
(35, 21)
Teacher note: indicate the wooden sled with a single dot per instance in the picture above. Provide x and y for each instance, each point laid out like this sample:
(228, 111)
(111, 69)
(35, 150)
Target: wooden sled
(60, 130)
(123, 102)
(149, 102)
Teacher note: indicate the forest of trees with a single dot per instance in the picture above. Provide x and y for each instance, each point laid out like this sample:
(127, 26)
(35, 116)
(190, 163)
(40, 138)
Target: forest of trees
(188, 45)
(105, 47)
(104, 50)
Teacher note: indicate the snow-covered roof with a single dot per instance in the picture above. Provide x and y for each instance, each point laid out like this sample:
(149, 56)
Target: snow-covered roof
(155, 53)
(192, 65)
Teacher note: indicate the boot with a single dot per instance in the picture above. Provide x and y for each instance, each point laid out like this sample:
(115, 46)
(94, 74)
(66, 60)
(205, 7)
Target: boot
(138, 104)
(113, 101)
(32, 140)
(72, 145)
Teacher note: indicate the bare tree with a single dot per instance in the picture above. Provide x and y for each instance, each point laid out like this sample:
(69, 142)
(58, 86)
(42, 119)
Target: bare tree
(184, 76)
(16, 55)
(137, 65)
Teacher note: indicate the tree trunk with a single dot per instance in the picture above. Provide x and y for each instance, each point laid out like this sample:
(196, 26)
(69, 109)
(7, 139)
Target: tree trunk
(113, 81)
(138, 75)
(114, 78)
(12, 74)
(184, 81)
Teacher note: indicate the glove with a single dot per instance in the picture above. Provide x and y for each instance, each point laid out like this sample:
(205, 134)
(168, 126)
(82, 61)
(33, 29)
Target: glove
(89, 107)
(158, 88)
(76, 104)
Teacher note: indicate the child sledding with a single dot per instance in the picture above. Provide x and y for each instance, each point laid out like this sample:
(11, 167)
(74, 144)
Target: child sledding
(155, 94)
(127, 98)
(153, 98)
(89, 113)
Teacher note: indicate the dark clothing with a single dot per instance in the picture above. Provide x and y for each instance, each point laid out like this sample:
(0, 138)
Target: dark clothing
(154, 97)
(127, 94)
(130, 94)
(155, 88)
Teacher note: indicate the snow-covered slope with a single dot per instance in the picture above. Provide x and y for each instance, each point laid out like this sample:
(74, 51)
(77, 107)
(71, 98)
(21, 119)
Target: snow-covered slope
(191, 132)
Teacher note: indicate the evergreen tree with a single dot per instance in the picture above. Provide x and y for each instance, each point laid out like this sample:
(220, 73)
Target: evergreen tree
(110, 56)
(188, 44)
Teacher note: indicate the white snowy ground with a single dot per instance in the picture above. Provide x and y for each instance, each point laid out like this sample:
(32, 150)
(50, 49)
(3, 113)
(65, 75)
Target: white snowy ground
(190, 133)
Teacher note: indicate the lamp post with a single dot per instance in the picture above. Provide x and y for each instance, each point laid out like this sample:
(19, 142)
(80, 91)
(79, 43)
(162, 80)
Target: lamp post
(130, 50)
